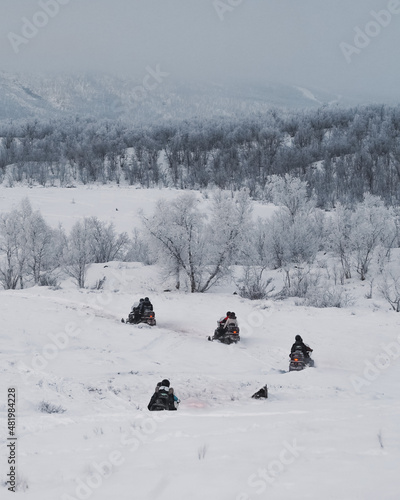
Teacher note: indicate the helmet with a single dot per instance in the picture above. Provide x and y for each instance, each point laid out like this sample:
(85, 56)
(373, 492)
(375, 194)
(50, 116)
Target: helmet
(146, 299)
(298, 338)
(165, 383)
(141, 300)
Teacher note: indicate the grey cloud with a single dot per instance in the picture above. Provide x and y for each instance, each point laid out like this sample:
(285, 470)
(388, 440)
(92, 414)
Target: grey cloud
(289, 41)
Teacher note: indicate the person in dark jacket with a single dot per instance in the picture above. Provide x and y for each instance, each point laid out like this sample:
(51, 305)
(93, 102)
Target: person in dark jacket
(300, 345)
(163, 397)
(135, 315)
(147, 305)
(140, 307)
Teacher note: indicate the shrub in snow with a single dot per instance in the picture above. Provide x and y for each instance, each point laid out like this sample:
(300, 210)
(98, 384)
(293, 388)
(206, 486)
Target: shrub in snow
(333, 297)
(46, 407)
(99, 284)
(300, 281)
(252, 285)
(47, 279)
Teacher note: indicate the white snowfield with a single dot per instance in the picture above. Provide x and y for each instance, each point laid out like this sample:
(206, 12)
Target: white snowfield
(329, 432)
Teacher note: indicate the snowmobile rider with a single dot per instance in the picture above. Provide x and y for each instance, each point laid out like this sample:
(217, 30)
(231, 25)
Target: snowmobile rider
(163, 397)
(224, 322)
(221, 325)
(232, 320)
(146, 305)
(299, 345)
(136, 310)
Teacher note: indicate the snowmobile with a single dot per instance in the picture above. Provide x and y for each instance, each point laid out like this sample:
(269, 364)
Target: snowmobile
(298, 361)
(230, 336)
(134, 318)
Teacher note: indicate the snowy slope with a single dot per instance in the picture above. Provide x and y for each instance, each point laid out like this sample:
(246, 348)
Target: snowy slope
(321, 434)
(24, 95)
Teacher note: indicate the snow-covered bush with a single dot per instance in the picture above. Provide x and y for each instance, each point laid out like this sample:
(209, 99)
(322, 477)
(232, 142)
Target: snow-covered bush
(252, 286)
(49, 280)
(46, 407)
(300, 281)
(332, 297)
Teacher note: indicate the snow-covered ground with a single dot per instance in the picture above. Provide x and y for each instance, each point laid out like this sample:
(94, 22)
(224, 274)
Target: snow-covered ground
(328, 432)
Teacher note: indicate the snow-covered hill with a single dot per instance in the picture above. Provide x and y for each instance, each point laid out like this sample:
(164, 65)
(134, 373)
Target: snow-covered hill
(109, 96)
(327, 432)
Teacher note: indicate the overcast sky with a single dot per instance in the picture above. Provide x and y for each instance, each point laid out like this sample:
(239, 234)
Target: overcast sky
(290, 41)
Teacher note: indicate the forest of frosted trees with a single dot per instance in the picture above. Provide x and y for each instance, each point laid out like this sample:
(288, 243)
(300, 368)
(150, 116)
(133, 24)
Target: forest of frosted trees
(340, 153)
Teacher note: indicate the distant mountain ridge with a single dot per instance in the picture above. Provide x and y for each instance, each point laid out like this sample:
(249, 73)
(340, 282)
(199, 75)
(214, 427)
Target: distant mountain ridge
(109, 96)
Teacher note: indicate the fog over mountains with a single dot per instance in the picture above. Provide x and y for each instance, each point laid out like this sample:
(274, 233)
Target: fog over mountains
(156, 97)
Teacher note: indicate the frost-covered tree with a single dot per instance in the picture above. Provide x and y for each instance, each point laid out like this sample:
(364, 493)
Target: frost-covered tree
(9, 269)
(105, 244)
(291, 240)
(28, 245)
(78, 253)
(355, 235)
(39, 246)
(227, 233)
(13, 242)
(255, 258)
(291, 193)
(390, 288)
(340, 240)
(293, 233)
(188, 245)
(372, 225)
(176, 231)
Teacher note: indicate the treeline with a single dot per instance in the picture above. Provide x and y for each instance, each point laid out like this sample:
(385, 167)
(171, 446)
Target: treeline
(340, 153)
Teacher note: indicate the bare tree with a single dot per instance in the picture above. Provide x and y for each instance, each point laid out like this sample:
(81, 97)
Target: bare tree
(9, 266)
(291, 193)
(372, 224)
(390, 290)
(176, 229)
(226, 235)
(78, 252)
(105, 244)
(39, 245)
(187, 245)
(340, 238)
